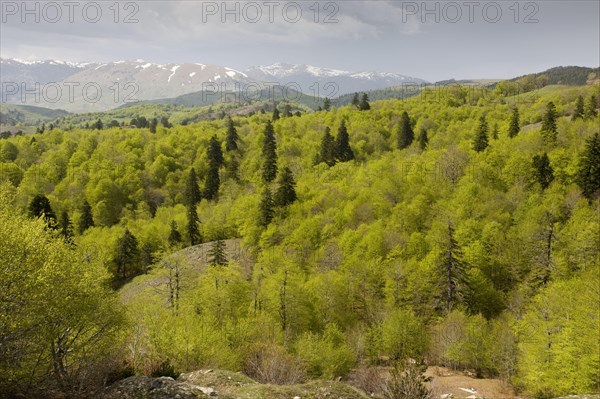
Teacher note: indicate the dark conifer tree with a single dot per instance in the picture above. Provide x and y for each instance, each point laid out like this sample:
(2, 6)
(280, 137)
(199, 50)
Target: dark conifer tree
(514, 127)
(423, 139)
(364, 103)
(65, 227)
(269, 152)
(326, 104)
(216, 255)
(543, 170)
(192, 193)
(405, 132)
(590, 109)
(214, 152)
(175, 238)
(287, 111)
(452, 273)
(86, 220)
(495, 131)
(480, 142)
(327, 153)
(212, 183)
(355, 100)
(266, 211)
(231, 142)
(588, 174)
(275, 114)
(40, 207)
(153, 125)
(193, 229)
(343, 150)
(579, 109)
(127, 255)
(286, 191)
(549, 131)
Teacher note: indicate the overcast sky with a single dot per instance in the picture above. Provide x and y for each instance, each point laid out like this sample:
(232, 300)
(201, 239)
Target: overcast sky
(433, 40)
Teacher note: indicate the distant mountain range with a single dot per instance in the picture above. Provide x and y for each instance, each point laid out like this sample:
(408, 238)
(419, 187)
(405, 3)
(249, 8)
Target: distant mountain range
(90, 87)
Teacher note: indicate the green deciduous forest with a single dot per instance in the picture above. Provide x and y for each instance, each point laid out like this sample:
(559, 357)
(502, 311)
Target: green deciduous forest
(458, 228)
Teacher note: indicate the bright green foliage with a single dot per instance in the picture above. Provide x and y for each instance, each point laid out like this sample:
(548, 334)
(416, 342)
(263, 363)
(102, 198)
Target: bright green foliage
(86, 220)
(514, 126)
(343, 150)
(231, 141)
(216, 254)
(543, 170)
(127, 256)
(591, 108)
(58, 321)
(579, 109)
(404, 336)
(588, 175)
(480, 142)
(549, 131)
(8, 151)
(405, 132)
(327, 153)
(327, 356)
(286, 188)
(269, 152)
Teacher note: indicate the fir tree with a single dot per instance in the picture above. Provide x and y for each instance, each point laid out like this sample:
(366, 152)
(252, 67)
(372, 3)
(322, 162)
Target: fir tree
(165, 122)
(269, 151)
(153, 125)
(275, 114)
(193, 230)
(343, 151)
(287, 111)
(495, 131)
(364, 103)
(513, 127)
(216, 255)
(588, 174)
(286, 191)
(212, 183)
(175, 238)
(266, 211)
(192, 193)
(127, 255)
(147, 257)
(214, 153)
(40, 207)
(355, 100)
(86, 220)
(232, 137)
(549, 131)
(327, 153)
(543, 171)
(590, 109)
(326, 104)
(480, 142)
(579, 109)
(452, 272)
(423, 139)
(65, 227)
(405, 132)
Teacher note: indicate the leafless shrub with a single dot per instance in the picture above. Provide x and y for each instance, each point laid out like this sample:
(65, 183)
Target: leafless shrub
(271, 364)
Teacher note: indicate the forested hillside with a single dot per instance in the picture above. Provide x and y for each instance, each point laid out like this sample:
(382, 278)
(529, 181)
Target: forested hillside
(457, 227)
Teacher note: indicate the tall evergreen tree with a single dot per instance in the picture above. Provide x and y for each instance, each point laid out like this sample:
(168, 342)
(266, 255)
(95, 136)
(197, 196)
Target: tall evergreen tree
(214, 152)
(405, 132)
(231, 142)
(588, 174)
(192, 193)
(193, 230)
(65, 226)
(269, 151)
(480, 142)
(590, 109)
(549, 131)
(127, 255)
(86, 220)
(212, 183)
(543, 170)
(495, 131)
(327, 104)
(287, 111)
(423, 139)
(327, 153)
(266, 211)
(153, 125)
(40, 207)
(355, 100)
(579, 109)
(174, 235)
(275, 114)
(452, 272)
(343, 150)
(286, 191)
(514, 127)
(364, 103)
(216, 255)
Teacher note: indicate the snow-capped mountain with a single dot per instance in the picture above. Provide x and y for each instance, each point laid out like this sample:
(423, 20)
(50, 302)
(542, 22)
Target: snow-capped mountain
(310, 78)
(93, 86)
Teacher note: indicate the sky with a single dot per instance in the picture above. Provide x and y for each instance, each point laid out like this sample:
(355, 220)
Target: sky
(429, 40)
